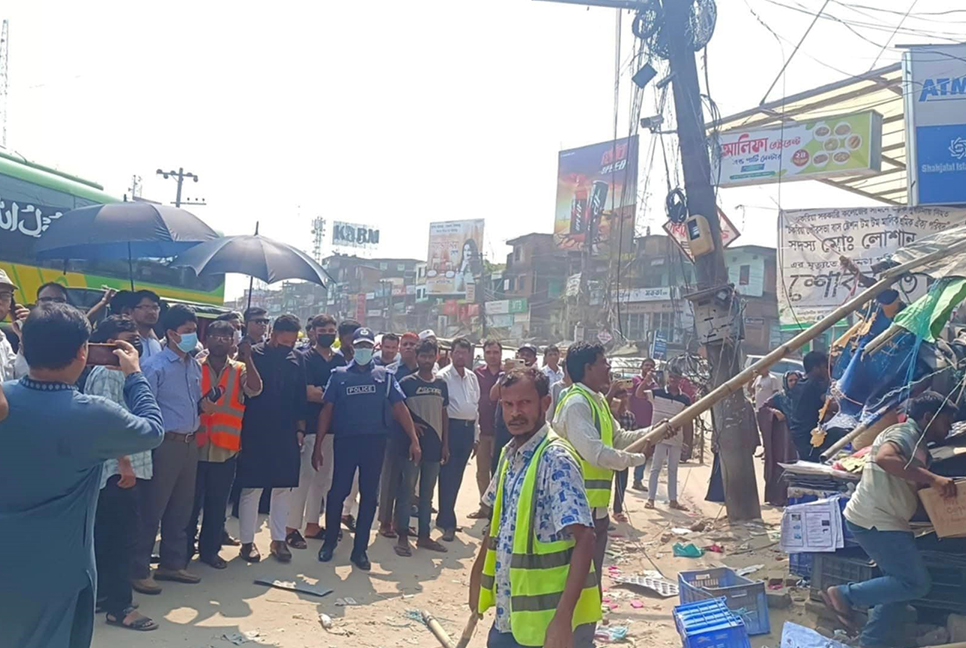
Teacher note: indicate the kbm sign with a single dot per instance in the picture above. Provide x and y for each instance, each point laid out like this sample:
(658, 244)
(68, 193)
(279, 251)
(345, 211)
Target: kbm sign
(934, 86)
(354, 235)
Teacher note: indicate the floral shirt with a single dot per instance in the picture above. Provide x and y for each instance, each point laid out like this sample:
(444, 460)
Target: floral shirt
(560, 502)
(109, 384)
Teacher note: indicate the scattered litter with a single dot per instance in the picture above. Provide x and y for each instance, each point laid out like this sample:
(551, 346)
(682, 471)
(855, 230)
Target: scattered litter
(714, 548)
(701, 525)
(687, 551)
(238, 638)
(342, 602)
(750, 569)
(680, 531)
(610, 634)
(637, 605)
(651, 580)
(326, 621)
(414, 615)
(292, 586)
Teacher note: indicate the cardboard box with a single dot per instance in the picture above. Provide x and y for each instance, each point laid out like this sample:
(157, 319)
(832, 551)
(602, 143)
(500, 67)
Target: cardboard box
(947, 516)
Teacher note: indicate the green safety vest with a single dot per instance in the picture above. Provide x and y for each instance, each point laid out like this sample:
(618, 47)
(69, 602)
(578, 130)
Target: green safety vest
(597, 481)
(538, 570)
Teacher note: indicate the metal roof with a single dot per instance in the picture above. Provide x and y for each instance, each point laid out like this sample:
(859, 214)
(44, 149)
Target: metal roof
(879, 90)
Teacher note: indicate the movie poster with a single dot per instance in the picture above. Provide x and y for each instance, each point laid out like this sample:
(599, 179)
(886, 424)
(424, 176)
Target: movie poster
(455, 260)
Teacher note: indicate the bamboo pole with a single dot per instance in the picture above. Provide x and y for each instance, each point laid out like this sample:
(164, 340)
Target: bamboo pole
(663, 429)
(854, 434)
(468, 631)
(437, 630)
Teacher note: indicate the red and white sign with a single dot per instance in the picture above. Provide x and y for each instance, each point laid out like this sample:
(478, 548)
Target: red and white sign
(729, 233)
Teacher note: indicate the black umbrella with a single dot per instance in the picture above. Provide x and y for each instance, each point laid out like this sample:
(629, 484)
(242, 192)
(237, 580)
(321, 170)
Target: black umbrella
(125, 230)
(253, 255)
(117, 230)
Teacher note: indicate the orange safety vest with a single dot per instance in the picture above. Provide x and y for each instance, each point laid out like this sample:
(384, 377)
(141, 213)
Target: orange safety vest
(223, 425)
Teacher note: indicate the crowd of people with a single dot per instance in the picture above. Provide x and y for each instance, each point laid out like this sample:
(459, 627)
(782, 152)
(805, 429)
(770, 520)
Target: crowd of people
(186, 419)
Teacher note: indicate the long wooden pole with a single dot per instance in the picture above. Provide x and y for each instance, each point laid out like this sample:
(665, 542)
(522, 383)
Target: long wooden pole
(662, 429)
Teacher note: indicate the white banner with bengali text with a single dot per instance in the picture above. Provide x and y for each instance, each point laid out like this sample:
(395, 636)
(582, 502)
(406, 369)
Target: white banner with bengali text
(812, 283)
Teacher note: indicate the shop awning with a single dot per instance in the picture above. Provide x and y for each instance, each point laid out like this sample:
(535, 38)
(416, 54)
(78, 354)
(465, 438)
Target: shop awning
(879, 90)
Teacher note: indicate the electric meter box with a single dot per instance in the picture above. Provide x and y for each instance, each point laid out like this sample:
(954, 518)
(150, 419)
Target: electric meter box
(700, 241)
(715, 317)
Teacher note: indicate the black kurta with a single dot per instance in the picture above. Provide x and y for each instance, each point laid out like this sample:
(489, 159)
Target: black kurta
(269, 456)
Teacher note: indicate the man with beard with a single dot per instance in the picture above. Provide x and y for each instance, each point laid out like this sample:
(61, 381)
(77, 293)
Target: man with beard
(539, 549)
(273, 430)
(145, 310)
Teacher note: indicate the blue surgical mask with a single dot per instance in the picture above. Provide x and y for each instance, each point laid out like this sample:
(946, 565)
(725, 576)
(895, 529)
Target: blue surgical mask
(363, 355)
(188, 342)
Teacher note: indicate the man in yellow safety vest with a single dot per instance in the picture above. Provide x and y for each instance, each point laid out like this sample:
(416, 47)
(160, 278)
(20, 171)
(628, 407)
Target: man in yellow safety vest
(536, 563)
(583, 418)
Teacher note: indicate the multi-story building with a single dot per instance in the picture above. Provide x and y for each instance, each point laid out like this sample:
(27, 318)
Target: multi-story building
(536, 270)
(753, 271)
(380, 293)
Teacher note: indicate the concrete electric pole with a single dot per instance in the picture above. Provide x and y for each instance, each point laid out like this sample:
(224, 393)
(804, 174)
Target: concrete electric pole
(681, 23)
(180, 176)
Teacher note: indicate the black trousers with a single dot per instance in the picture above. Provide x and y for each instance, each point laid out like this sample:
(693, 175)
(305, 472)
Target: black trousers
(116, 527)
(212, 489)
(365, 453)
(461, 436)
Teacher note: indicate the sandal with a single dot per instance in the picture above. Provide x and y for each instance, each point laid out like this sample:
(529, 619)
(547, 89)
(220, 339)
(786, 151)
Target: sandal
(620, 517)
(295, 540)
(844, 616)
(388, 533)
(404, 551)
(649, 504)
(140, 623)
(316, 536)
(677, 507)
(432, 545)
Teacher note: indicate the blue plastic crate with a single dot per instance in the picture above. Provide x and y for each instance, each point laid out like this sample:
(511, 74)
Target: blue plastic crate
(800, 564)
(710, 624)
(744, 597)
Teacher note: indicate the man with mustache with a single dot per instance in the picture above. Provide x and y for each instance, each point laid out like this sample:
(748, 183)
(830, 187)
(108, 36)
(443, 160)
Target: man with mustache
(539, 549)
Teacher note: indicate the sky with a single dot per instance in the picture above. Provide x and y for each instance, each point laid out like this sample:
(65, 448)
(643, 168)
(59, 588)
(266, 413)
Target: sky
(397, 114)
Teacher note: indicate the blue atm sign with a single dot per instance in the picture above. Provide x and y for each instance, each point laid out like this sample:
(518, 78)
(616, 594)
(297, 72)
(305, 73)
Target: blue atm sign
(934, 79)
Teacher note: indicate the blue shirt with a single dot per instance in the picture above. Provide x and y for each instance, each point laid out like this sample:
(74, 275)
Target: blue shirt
(362, 396)
(176, 384)
(150, 346)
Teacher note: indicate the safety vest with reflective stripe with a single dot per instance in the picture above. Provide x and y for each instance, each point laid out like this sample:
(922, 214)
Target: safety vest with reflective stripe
(597, 480)
(223, 425)
(538, 570)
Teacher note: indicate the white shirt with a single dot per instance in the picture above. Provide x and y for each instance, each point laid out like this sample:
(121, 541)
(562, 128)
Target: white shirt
(464, 393)
(765, 388)
(553, 376)
(7, 359)
(575, 422)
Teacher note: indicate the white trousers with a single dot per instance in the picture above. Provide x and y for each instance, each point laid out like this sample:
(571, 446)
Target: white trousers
(672, 455)
(351, 502)
(314, 485)
(248, 513)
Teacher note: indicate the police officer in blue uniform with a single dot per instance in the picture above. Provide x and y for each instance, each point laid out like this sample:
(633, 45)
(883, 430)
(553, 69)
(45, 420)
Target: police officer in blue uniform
(360, 403)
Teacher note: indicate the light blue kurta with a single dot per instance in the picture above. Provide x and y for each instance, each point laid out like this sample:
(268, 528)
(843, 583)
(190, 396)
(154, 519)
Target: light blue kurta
(52, 446)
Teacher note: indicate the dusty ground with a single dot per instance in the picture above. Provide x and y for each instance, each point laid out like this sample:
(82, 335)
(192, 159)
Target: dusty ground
(228, 602)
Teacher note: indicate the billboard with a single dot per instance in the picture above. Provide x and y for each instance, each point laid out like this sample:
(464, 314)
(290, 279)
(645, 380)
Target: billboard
(455, 260)
(596, 196)
(354, 235)
(812, 283)
(934, 87)
(847, 145)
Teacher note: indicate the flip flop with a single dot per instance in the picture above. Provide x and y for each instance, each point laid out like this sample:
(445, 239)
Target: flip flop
(388, 534)
(432, 545)
(316, 536)
(844, 617)
(405, 552)
(141, 624)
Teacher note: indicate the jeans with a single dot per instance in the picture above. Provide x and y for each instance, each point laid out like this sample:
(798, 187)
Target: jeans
(365, 453)
(672, 454)
(115, 539)
(639, 473)
(620, 490)
(600, 550)
(461, 435)
(392, 480)
(583, 637)
(212, 488)
(427, 472)
(904, 578)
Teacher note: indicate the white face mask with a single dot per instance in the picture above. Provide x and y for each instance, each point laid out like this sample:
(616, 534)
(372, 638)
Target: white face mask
(363, 355)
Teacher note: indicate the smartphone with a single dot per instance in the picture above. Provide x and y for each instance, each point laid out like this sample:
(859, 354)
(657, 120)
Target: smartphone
(519, 363)
(102, 355)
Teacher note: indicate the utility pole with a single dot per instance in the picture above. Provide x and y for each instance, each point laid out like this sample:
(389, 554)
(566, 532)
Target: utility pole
(737, 458)
(4, 64)
(180, 176)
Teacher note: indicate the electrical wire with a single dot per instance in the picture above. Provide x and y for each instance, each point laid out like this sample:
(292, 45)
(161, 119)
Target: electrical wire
(898, 27)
